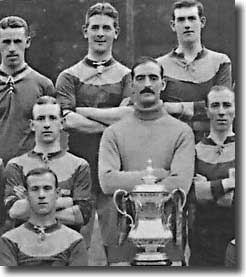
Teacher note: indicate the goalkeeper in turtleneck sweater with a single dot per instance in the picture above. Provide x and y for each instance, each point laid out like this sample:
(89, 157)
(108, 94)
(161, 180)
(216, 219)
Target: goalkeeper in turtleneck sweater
(148, 132)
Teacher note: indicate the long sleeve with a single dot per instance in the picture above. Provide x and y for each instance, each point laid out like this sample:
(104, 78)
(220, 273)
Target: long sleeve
(110, 174)
(13, 176)
(78, 254)
(50, 89)
(8, 253)
(182, 165)
(222, 78)
(213, 191)
(66, 87)
(2, 207)
(82, 191)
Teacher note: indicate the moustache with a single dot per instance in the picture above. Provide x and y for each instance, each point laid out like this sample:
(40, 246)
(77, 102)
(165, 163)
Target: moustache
(147, 90)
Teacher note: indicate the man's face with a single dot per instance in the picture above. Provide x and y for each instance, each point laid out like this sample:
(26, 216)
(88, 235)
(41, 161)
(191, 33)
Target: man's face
(147, 84)
(42, 193)
(13, 43)
(47, 123)
(221, 110)
(187, 24)
(100, 33)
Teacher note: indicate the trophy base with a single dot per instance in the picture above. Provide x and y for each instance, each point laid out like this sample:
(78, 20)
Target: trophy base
(151, 259)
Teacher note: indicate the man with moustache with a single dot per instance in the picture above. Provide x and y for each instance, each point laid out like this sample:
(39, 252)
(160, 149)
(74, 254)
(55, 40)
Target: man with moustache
(191, 69)
(147, 133)
(99, 81)
(42, 240)
(212, 194)
(20, 86)
(73, 173)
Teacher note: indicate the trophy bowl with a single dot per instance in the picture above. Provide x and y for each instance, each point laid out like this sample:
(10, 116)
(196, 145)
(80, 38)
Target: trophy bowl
(151, 223)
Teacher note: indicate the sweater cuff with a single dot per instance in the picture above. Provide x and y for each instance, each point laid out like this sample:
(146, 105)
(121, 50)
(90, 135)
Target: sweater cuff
(217, 189)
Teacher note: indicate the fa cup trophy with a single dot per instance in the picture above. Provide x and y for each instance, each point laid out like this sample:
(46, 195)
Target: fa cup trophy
(152, 224)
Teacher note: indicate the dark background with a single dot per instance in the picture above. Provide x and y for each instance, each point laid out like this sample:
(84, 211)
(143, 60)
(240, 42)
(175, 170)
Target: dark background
(57, 41)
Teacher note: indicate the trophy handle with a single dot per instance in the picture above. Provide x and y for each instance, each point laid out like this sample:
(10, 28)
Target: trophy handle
(125, 194)
(182, 195)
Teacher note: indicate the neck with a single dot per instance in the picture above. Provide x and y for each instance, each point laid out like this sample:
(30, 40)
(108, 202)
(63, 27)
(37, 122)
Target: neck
(11, 70)
(190, 49)
(150, 113)
(47, 148)
(42, 220)
(220, 137)
(99, 57)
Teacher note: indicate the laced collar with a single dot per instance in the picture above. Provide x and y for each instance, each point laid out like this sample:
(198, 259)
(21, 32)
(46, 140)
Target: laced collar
(42, 230)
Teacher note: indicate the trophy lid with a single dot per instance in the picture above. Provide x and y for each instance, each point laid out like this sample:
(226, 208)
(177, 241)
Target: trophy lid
(149, 180)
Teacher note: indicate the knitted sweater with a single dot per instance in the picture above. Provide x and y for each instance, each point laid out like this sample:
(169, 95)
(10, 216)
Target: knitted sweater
(124, 150)
(147, 134)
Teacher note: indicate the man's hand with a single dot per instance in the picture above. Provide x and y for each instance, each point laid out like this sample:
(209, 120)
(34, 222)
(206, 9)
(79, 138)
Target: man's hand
(20, 209)
(199, 178)
(20, 192)
(160, 174)
(228, 184)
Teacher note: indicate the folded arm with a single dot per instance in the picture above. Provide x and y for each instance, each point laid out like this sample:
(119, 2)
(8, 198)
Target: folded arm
(106, 116)
(220, 191)
(74, 120)
(111, 176)
(182, 165)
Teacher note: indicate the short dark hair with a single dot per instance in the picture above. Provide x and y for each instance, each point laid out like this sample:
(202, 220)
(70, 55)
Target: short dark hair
(14, 22)
(39, 172)
(104, 8)
(217, 89)
(187, 4)
(43, 100)
(143, 60)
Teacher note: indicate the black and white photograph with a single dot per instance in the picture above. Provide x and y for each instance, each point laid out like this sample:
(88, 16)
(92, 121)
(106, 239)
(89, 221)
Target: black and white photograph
(118, 134)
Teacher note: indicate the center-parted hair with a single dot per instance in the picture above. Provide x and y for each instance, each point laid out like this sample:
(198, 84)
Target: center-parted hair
(104, 8)
(187, 4)
(43, 100)
(14, 22)
(143, 60)
(40, 172)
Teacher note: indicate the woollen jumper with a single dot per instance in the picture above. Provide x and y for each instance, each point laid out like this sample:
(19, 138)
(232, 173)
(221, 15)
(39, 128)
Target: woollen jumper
(147, 134)
(124, 150)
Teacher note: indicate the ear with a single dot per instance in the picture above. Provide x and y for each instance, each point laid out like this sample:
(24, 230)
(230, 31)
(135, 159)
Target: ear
(62, 123)
(84, 31)
(203, 21)
(172, 25)
(117, 32)
(207, 113)
(58, 192)
(32, 125)
(164, 84)
(133, 94)
(28, 42)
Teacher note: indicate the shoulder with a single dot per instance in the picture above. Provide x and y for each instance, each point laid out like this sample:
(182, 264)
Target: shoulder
(72, 72)
(124, 123)
(19, 160)
(217, 57)
(71, 234)
(38, 76)
(172, 121)
(164, 58)
(74, 69)
(122, 69)
(15, 234)
(71, 158)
